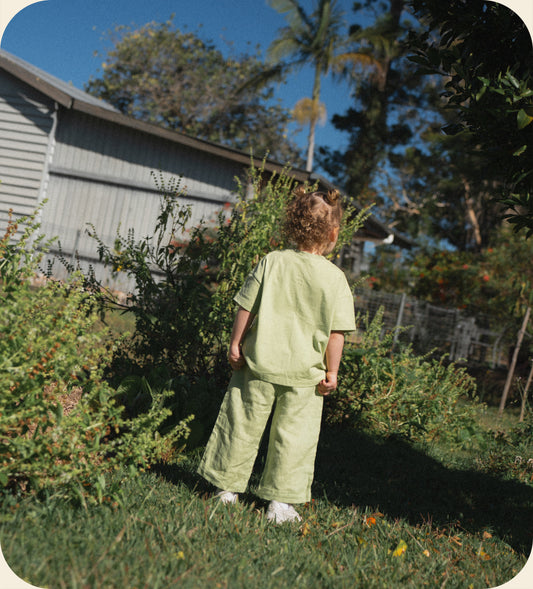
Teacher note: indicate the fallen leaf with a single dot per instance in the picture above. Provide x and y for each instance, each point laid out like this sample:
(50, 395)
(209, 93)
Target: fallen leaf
(305, 529)
(400, 549)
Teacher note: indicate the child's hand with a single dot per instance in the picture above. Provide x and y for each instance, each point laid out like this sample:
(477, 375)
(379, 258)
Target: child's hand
(328, 384)
(235, 357)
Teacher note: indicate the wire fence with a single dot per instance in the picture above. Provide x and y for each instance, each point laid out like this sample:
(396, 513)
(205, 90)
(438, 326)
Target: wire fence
(429, 327)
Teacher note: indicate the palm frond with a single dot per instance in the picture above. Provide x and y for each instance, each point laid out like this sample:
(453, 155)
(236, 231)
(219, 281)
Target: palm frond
(283, 47)
(263, 78)
(293, 12)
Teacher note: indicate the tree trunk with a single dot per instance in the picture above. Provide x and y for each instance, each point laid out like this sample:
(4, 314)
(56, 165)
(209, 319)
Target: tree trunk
(471, 213)
(314, 118)
(310, 145)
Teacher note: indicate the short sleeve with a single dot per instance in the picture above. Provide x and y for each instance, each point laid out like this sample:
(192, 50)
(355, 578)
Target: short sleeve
(249, 296)
(344, 311)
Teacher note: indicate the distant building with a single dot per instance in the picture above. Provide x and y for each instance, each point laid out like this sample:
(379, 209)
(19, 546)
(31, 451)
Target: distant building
(94, 165)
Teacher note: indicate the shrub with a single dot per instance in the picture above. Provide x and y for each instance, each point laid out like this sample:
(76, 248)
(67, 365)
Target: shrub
(393, 392)
(60, 425)
(21, 250)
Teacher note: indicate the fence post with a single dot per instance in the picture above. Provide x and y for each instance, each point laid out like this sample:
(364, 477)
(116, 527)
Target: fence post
(526, 389)
(75, 248)
(399, 319)
(513, 362)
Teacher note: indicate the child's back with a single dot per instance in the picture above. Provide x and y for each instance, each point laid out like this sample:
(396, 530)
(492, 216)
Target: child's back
(298, 299)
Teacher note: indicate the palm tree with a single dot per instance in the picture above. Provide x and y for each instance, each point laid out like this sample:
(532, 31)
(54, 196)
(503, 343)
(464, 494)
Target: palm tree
(315, 39)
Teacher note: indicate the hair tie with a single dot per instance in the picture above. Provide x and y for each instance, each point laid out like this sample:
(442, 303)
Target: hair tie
(331, 197)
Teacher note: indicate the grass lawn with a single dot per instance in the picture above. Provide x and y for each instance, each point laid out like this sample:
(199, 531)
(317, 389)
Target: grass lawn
(385, 514)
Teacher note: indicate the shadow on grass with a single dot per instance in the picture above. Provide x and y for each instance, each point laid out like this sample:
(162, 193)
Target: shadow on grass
(402, 482)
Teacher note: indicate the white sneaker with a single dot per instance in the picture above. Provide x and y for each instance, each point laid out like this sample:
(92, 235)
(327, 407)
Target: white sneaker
(282, 512)
(226, 496)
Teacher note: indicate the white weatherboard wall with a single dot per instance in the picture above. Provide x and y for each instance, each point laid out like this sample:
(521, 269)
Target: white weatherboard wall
(26, 119)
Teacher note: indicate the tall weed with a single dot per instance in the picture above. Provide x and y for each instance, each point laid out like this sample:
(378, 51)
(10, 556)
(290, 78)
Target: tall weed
(21, 250)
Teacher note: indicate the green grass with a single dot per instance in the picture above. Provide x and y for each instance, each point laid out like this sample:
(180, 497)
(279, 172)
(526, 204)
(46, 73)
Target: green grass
(386, 514)
(119, 322)
(490, 419)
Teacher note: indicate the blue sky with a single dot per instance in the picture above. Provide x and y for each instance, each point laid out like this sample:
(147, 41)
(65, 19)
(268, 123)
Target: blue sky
(62, 36)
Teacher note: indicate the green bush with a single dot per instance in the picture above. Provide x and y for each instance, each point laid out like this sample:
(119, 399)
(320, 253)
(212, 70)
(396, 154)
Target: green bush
(185, 280)
(393, 392)
(60, 425)
(21, 250)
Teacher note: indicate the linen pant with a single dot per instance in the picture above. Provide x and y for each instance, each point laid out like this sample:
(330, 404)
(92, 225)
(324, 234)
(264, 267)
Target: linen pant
(233, 445)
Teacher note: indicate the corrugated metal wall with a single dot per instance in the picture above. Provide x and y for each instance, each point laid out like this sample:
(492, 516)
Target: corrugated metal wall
(25, 125)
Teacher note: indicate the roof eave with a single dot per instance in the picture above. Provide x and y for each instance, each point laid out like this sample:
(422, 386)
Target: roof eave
(38, 83)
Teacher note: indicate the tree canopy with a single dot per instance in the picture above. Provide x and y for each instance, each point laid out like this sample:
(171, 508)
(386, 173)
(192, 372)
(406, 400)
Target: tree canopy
(484, 52)
(445, 132)
(164, 76)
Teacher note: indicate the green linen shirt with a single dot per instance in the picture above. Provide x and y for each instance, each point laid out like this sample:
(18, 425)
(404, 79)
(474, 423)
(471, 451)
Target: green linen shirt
(298, 299)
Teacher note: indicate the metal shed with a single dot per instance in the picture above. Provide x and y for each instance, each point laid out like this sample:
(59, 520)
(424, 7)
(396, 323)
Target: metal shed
(95, 165)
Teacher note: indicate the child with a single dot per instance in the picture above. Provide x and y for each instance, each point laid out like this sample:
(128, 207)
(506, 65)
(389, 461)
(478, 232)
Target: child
(285, 349)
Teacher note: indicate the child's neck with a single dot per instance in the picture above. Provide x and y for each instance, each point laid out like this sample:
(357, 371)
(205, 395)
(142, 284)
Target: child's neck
(315, 251)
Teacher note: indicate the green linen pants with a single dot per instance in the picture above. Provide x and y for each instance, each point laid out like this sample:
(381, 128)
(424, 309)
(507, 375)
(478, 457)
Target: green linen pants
(233, 445)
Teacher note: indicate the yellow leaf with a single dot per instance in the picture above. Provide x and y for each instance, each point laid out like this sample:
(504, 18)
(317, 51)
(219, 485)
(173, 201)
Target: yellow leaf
(426, 552)
(305, 529)
(400, 549)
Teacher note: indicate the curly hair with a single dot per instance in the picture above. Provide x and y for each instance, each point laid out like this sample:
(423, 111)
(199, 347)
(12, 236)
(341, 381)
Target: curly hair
(311, 216)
